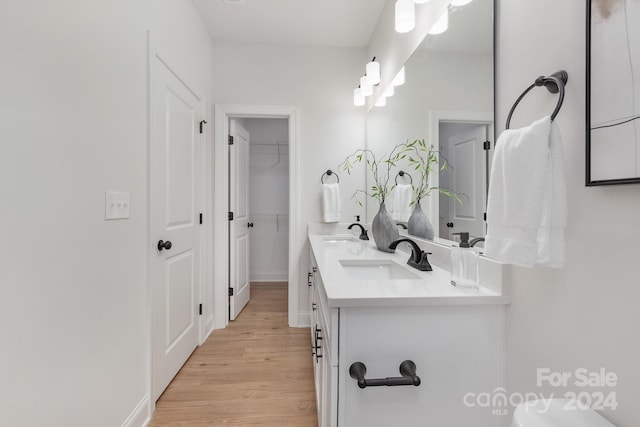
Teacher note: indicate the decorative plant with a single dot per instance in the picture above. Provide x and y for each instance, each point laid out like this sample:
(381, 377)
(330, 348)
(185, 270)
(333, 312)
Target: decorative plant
(380, 170)
(424, 160)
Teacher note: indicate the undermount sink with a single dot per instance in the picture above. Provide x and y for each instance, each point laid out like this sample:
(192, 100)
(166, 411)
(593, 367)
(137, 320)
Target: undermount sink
(367, 269)
(340, 239)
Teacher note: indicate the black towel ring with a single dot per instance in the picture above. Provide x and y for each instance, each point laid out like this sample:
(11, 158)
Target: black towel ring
(403, 173)
(554, 84)
(329, 172)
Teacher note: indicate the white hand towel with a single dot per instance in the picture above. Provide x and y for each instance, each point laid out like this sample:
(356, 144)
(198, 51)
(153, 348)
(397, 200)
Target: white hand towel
(527, 209)
(401, 202)
(331, 202)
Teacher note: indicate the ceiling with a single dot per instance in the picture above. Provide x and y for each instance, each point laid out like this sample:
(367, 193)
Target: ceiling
(337, 23)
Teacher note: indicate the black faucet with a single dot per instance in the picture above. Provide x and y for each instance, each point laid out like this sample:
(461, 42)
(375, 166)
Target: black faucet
(402, 225)
(418, 258)
(475, 241)
(363, 232)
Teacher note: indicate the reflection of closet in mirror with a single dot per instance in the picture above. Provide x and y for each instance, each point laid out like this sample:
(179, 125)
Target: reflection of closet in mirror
(449, 78)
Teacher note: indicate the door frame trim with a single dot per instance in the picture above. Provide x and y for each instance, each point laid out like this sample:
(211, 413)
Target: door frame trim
(220, 196)
(441, 116)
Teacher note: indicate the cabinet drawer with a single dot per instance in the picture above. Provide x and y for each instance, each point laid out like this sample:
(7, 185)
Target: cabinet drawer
(329, 319)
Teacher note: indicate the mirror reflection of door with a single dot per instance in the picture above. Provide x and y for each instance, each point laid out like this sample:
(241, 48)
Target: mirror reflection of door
(462, 145)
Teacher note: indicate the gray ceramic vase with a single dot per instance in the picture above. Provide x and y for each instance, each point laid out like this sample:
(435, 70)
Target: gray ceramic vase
(384, 229)
(419, 225)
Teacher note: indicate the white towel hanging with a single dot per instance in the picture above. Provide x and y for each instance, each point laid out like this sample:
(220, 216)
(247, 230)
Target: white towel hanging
(527, 207)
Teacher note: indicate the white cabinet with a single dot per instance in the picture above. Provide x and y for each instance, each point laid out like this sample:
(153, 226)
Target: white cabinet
(458, 351)
(323, 340)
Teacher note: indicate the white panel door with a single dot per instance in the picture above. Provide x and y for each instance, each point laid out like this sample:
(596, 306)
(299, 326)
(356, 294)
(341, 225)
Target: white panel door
(175, 114)
(466, 153)
(240, 225)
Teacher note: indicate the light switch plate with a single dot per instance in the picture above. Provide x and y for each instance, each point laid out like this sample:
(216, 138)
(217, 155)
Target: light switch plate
(116, 205)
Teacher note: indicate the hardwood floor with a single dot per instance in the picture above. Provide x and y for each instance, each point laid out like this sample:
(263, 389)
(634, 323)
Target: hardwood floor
(257, 371)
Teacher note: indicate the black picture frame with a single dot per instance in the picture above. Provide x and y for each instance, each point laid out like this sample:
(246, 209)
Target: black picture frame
(589, 180)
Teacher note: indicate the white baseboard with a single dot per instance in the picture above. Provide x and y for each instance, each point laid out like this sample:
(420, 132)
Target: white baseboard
(304, 319)
(140, 416)
(270, 277)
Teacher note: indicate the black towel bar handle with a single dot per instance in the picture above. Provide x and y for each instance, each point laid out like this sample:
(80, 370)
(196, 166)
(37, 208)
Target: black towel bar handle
(403, 174)
(329, 172)
(358, 370)
(554, 83)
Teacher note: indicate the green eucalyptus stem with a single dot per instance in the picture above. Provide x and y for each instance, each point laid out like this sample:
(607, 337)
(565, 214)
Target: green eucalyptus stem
(421, 158)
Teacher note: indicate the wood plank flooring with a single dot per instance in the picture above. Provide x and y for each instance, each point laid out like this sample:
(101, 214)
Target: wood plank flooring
(257, 371)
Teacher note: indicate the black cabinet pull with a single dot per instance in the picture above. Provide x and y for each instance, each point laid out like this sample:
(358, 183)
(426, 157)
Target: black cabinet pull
(164, 245)
(450, 224)
(250, 225)
(358, 370)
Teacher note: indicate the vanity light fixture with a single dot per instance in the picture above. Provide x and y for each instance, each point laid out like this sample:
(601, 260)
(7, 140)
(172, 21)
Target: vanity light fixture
(398, 80)
(460, 2)
(365, 88)
(373, 72)
(381, 102)
(441, 24)
(358, 97)
(405, 16)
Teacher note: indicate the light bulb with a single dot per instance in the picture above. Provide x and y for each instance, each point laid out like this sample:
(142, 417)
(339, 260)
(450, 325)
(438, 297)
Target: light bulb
(389, 92)
(381, 102)
(398, 80)
(441, 24)
(358, 98)
(405, 16)
(373, 72)
(365, 88)
(459, 2)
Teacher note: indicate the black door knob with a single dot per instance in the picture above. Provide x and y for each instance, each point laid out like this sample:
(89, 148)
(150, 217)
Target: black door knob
(450, 224)
(164, 245)
(250, 224)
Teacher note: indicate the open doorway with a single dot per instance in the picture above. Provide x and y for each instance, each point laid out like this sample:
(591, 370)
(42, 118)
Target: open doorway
(282, 224)
(258, 206)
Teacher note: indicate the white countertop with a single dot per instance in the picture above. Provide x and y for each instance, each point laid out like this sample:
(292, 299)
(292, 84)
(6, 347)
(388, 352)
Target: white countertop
(431, 288)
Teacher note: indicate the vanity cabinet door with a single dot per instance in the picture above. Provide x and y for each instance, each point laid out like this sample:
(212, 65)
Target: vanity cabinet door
(456, 352)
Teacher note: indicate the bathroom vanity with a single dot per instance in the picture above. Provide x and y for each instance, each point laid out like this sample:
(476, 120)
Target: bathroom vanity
(368, 306)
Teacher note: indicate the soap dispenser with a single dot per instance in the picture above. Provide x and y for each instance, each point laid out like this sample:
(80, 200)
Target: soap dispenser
(464, 263)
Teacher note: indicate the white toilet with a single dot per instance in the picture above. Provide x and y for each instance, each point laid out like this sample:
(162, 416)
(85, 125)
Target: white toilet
(557, 413)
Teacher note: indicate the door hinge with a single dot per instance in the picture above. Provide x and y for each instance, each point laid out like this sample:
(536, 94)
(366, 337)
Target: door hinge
(202, 123)
(230, 216)
(485, 216)
(200, 309)
(200, 219)
(230, 140)
(486, 145)
(230, 291)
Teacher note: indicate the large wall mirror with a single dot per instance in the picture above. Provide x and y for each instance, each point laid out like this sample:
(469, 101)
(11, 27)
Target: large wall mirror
(447, 100)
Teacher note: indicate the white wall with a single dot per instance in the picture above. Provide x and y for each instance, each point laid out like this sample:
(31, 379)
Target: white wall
(585, 315)
(73, 294)
(318, 80)
(269, 199)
